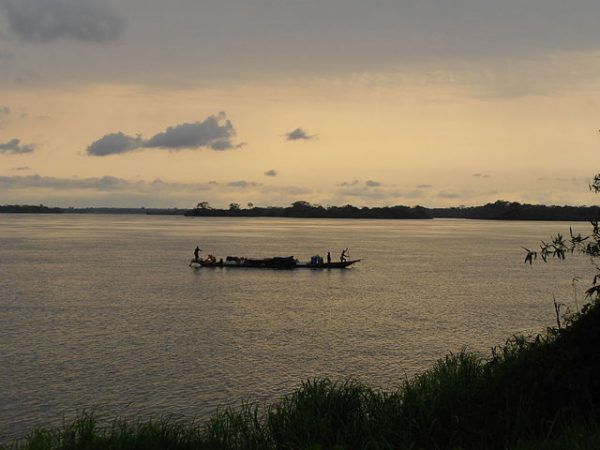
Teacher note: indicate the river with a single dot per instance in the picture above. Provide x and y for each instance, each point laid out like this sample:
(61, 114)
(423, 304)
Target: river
(103, 312)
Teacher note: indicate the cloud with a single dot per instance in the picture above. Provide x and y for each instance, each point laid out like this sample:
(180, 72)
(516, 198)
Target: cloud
(289, 190)
(114, 143)
(428, 30)
(15, 147)
(271, 173)
(6, 55)
(450, 42)
(299, 134)
(424, 186)
(20, 168)
(118, 192)
(117, 189)
(4, 115)
(374, 191)
(242, 184)
(357, 193)
(105, 183)
(368, 183)
(465, 194)
(452, 194)
(481, 175)
(50, 20)
(215, 132)
(110, 183)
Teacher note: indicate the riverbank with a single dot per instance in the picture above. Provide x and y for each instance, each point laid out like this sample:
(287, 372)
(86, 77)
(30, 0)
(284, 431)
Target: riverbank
(529, 394)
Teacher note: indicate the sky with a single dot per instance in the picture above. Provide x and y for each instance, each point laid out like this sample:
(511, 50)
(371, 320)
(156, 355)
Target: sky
(387, 102)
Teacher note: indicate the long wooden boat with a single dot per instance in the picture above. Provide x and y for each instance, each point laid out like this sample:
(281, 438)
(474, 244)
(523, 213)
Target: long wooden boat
(270, 263)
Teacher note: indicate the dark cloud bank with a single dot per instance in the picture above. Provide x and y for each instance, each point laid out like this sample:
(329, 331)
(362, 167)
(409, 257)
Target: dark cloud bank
(271, 173)
(216, 132)
(50, 20)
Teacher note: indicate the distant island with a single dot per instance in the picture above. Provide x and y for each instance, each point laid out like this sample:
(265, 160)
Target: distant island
(499, 210)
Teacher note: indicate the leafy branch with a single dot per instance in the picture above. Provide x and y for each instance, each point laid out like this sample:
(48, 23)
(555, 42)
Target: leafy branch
(559, 246)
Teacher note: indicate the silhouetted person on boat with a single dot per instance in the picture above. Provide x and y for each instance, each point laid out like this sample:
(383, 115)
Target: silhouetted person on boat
(328, 257)
(344, 255)
(197, 254)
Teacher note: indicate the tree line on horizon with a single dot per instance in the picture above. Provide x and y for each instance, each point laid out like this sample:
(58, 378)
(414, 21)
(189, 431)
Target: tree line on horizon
(499, 210)
(305, 209)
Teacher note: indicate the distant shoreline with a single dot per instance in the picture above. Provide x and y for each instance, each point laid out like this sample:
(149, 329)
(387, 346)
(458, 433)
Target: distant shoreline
(499, 210)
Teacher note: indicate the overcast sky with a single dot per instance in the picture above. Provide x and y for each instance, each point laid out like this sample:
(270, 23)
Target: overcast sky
(154, 103)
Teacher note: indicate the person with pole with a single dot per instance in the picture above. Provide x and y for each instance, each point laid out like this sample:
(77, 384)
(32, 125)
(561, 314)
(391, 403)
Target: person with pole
(344, 255)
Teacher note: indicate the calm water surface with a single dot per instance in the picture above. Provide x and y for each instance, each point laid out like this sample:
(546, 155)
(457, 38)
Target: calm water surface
(103, 311)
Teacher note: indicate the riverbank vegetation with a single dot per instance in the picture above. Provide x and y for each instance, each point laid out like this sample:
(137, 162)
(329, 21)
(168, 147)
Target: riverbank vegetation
(529, 394)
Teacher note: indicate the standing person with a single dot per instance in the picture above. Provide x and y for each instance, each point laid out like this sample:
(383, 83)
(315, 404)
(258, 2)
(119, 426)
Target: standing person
(197, 254)
(344, 255)
(328, 257)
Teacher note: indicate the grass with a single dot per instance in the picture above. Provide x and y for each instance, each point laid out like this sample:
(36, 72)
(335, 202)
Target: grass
(542, 393)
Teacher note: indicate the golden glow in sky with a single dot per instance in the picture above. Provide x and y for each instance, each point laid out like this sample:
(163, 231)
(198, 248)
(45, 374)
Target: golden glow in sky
(138, 104)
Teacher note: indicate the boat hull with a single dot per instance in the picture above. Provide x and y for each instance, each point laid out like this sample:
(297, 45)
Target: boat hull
(331, 265)
(269, 264)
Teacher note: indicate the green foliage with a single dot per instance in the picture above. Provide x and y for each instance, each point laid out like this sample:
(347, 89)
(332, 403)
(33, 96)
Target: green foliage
(559, 247)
